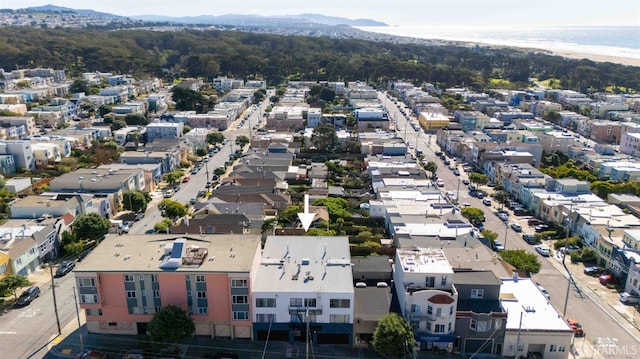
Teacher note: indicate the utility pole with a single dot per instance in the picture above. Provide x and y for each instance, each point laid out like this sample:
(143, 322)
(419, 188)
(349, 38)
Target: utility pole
(75, 302)
(307, 341)
(55, 304)
(506, 232)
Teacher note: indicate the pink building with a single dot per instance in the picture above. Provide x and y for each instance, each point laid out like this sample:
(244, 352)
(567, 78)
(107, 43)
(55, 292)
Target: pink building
(127, 279)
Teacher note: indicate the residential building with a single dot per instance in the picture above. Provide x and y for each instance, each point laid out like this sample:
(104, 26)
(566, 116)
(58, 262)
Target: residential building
(28, 122)
(556, 141)
(25, 246)
(480, 319)
(423, 280)
(169, 160)
(432, 121)
(21, 151)
(158, 129)
(534, 326)
(605, 131)
(127, 279)
(303, 289)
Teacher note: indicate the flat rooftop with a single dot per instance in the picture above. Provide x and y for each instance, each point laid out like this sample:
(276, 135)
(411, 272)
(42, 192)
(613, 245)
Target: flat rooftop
(146, 253)
(424, 260)
(523, 296)
(305, 264)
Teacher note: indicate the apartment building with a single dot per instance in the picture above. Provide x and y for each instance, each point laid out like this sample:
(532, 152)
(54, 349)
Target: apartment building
(28, 122)
(303, 289)
(423, 280)
(127, 279)
(164, 130)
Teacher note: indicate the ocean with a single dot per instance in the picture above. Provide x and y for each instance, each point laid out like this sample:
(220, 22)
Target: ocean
(621, 42)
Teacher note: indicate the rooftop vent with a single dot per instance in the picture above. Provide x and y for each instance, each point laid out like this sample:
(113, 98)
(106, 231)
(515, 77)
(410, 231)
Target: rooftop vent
(305, 261)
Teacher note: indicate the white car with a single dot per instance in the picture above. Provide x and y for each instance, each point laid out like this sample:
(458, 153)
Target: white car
(629, 298)
(544, 250)
(498, 246)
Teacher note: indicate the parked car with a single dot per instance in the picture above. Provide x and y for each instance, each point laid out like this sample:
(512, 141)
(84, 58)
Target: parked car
(150, 231)
(503, 216)
(498, 246)
(65, 268)
(465, 182)
(209, 184)
(516, 227)
(28, 296)
(569, 249)
(440, 183)
(593, 271)
(577, 328)
(479, 194)
(544, 291)
(456, 172)
(168, 193)
(529, 238)
(485, 201)
(193, 201)
(521, 212)
(628, 298)
(544, 250)
(185, 179)
(606, 279)
(541, 228)
(447, 162)
(534, 222)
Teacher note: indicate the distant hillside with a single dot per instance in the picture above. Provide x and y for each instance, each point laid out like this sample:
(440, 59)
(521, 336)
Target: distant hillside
(61, 9)
(256, 20)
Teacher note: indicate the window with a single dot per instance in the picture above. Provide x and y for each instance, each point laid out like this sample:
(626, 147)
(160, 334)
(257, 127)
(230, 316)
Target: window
(498, 324)
(429, 326)
(438, 312)
(265, 318)
(443, 281)
(473, 324)
(429, 310)
(310, 302)
(339, 303)
(295, 302)
(203, 310)
(154, 278)
(266, 302)
(158, 309)
(339, 318)
(439, 328)
(199, 278)
(483, 326)
(202, 294)
(88, 298)
(239, 283)
(429, 282)
(93, 312)
(477, 293)
(112, 324)
(131, 294)
(561, 348)
(141, 277)
(86, 282)
(128, 278)
(451, 310)
(552, 348)
(156, 294)
(240, 299)
(240, 315)
(144, 293)
(3, 268)
(415, 308)
(32, 251)
(145, 310)
(19, 261)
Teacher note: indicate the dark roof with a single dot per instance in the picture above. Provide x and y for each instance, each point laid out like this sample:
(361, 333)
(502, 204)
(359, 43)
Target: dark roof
(371, 264)
(479, 305)
(441, 299)
(213, 224)
(476, 277)
(372, 303)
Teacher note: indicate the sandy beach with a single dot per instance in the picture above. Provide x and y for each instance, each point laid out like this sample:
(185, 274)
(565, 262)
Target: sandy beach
(598, 58)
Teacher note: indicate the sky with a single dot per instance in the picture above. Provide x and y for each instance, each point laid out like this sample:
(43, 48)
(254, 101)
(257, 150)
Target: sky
(485, 13)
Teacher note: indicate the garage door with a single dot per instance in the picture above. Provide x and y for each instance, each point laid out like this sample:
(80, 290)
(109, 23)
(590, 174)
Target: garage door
(241, 332)
(203, 329)
(223, 331)
(478, 345)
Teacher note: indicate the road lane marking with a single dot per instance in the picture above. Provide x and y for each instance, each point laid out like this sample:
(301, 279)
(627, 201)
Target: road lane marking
(7, 333)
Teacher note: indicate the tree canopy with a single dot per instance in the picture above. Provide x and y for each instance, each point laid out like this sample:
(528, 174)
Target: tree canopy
(324, 138)
(337, 207)
(91, 226)
(393, 336)
(173, 209)
(478, 178)
(522, 260)
(474, 215)
(12, 283)
(170, 325)
(135, 201)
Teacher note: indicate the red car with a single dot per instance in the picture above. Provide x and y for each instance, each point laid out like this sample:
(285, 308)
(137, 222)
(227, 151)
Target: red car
(577, 328)
(606, 279)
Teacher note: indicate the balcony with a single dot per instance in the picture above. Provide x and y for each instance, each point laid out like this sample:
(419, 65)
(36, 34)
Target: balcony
(303, 310)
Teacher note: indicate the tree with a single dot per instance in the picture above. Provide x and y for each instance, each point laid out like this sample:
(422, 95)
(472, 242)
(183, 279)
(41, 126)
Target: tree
(327, 94)
(522, 260)
(12, 283)
(117, 124)
(135, 201)
(393, 336)
(241, 141)
(324, 138)
(79, 86)
(171, 324)
(201, 152)
(186, 129)
(478, 178)
(163, 225)
(289, 214)
(135, 119)
(174, 209)
(219, 171)
(258, 95)
(173, 177)
(501, 197)
(103, 110)
(431, 167)
(215, 138)
(474, 215)
(337, 207)
(491, 236)
(91, 226)
(268, 225)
